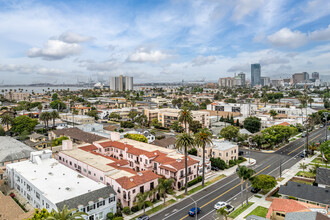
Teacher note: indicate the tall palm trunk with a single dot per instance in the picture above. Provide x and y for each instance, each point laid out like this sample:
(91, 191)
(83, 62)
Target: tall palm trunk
(247, 192)
(203, 178)
(186, 164)
(242, 192)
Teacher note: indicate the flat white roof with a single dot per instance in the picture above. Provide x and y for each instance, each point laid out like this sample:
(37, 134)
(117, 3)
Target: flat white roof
(55, 181)
(223, 145)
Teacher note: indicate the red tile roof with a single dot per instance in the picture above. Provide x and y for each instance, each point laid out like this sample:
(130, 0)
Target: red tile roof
(285, 123)
(88, 148)
(141, 178)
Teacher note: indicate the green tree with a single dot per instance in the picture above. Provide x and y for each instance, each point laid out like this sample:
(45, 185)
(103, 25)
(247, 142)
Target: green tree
(218, 162)
(57, 104)
(252, 124)
(2, 131)
(185, 117)
(126, 124)
(303, 166)
(137, 137)
(141, 200)
(23, 123)
(222, 212)
(45, 117)
(184, 142)
(259, 140)
(195, 126)
(325, 150)
(40, 214)
(193, 151)
(54, 97)
(156, 123)
(245, 174)
(132, 114)
(7, 119)
(265, 182)
(66, 214)
(176, 126)
(54, 115)
(203, 138)
(229, 132)
(58, 141)
(114, 115)
(272, 113)
(165, 186)
(94, 114)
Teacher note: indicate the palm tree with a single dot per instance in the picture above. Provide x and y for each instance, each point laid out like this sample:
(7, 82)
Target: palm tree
(247, 177)
(40, 108)
(272, 113)
(222, 212)
(141, 200)
(202, 138)
(183, 142)
(54, 115)
(244, 174)
(7, 119)
(165, 186)
(185, 117)
(66, 214)
(303, 166)
(45, 116)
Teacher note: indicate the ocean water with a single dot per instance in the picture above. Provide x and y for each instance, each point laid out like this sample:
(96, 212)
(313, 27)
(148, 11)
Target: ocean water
(40, 89)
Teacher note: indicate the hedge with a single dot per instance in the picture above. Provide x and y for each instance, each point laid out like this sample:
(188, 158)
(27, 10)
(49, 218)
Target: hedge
(194, 181)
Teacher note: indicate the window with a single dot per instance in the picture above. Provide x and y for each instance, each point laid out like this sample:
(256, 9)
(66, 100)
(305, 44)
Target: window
(75, 165)
(101, 203)
(219, 154)
(94, 174)
(89, 173)
(140, 159)
(112, 199)
(101, 178)
(70, 163)
(133, 191)
(38, 195)
(227, 154)
(85, 170)
(79, 167)
(47, 206)
(28, 187)
(146, 161)
(155, 165)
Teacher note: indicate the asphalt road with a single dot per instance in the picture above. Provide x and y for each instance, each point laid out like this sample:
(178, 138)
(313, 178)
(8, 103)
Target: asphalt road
(229, 189)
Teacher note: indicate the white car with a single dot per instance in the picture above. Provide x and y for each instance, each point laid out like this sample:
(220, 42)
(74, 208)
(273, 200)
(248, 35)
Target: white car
(220, 205)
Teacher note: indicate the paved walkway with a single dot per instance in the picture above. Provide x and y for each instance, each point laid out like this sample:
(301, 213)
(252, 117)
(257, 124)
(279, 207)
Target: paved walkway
(208, 176)
(287, 175)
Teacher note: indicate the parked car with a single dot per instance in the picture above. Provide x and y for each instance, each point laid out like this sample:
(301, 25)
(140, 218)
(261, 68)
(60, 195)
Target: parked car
(192, 211)
(143, 217)
(220, 205)
(240, 153)
(303, 134)
(215, 168)
(322, 125)
(229, 208)
(255, 190)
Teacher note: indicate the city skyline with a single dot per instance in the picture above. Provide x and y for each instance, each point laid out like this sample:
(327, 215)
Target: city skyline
(45, 41)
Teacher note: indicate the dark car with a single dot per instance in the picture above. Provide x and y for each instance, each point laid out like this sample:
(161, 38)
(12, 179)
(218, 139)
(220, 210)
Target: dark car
(143, 217)
(255, 190)
(240, 152)
(215, 168)
(192, 211)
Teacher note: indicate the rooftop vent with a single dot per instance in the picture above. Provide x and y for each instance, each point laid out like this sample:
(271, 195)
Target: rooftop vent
(50, 173)
(68, 188)
(131, 179)
(178, 160)
(139, 173)
(326, 190)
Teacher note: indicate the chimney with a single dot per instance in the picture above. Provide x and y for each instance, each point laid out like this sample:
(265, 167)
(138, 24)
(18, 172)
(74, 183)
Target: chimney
(67, 145)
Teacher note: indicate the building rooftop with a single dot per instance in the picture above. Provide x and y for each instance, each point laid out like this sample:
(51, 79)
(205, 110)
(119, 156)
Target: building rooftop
(76, 133)
(323, 176)
(306, 192)
(12, 149)
(55, 181)
(223, 145)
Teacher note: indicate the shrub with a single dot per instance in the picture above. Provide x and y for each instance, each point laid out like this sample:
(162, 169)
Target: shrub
(58, 141)
(110, 216)
(118, 213)
(127, 210)
(194, 181)
(193, 151)
(135, 208)
(232, 163)
(118, 218)
(137, 137)
(217, 162)
(126, 124)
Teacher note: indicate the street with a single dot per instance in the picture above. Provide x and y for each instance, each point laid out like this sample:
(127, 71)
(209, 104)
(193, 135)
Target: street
(229, 189)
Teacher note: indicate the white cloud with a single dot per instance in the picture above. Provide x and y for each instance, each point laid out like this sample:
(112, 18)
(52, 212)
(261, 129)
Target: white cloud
(287, 38)
(246, 7)
(107, 65)
(241, 67)
(142, 55)
(273, 60)
(55, 50)
(31, 69)
(320, 35)
(71, 37)
(200, 60)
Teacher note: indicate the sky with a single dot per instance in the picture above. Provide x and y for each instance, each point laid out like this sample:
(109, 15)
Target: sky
(161, 41)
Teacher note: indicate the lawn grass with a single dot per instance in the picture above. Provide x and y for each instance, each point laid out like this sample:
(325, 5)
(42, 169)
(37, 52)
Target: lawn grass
(301, 181)
(239, 210)
(157, 208)
(259, 211)
(258, 196)
(306, 174)
(319, 160)
(280, 179)
(320, 165)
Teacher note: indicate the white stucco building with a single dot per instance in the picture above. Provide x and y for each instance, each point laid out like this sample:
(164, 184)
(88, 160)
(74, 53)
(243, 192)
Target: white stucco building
(46, 183)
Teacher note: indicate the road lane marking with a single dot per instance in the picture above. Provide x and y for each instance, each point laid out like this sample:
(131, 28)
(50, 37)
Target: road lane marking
(304, 144)
(227, 191)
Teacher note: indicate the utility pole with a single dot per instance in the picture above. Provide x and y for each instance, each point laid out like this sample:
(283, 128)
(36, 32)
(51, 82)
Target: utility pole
(280, 168)
(326, 125)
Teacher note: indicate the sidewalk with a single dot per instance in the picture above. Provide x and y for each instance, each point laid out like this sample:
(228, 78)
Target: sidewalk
(208, 176)
(287, 175)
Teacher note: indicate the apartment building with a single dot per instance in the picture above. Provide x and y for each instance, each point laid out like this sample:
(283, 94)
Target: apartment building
(224, 150)
(76, 119)
(244, 109)
(82, 110)
(128, 166)
(167, 116)
(17, 96)
(45, 183)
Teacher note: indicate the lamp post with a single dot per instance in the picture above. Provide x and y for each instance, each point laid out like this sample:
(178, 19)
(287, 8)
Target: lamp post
(195, 207)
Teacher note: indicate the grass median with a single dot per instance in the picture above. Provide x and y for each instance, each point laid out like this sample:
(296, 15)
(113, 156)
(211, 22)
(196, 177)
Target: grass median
(239, 210)
(259, 211)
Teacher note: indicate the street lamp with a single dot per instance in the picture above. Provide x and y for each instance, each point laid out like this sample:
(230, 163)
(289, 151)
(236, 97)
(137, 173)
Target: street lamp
(195, 206)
